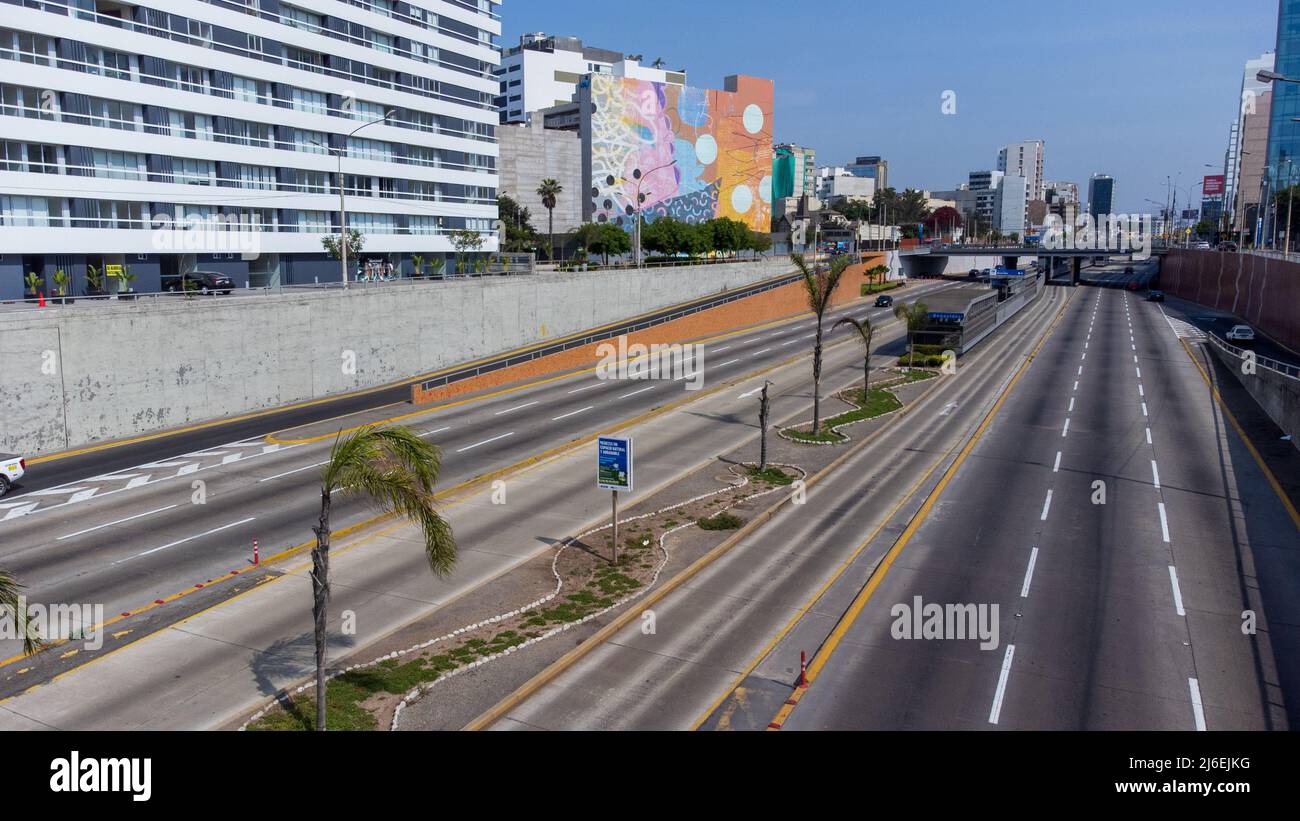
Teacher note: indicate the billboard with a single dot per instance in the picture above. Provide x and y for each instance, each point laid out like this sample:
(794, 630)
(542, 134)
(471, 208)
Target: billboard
(1214, 186)
(613, 463)
(686, 153)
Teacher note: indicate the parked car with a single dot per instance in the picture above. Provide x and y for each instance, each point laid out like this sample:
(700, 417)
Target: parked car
(1229, 247)
(12, 469)
(1240, 333)
(1155, 296)
(205, 282)
(884, 301)
(1128, 269)
(1202, 246)
(974, 272)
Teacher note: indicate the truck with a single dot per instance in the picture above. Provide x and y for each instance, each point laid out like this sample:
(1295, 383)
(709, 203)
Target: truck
(12, 469)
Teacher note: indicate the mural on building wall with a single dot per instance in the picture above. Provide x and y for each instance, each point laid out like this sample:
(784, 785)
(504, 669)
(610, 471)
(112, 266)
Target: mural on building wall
(690, 154)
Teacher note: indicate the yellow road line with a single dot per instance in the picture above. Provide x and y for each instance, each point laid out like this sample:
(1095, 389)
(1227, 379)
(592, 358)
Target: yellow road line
(1241, 433)
(823, 653)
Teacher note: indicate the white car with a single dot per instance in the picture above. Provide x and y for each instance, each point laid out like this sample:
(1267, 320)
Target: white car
(12, 469)
(1240, 333)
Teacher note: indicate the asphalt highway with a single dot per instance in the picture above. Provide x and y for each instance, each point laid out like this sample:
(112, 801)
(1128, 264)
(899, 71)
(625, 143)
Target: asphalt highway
(1127, 610)
(142, 533)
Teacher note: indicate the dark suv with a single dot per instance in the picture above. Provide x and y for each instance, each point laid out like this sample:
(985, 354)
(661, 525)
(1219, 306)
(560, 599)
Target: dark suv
(205, 282)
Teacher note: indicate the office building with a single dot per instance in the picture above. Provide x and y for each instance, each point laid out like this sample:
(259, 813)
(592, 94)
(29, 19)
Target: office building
(1011, 205)
(545, 71)
(1101, 195)
(1024, 159)
(872, 168)
(1255, 95)
(1284, 132)
(794, 172)
(124, 124)
(985, 184)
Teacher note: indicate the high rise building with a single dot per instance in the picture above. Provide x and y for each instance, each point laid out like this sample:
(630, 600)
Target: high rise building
(873, 168)
(124, 124)
(1254, 155)
(1101, 195)
(1254, 94)
(794, 172)
(545, 71)
(1284, 133)
(1011, 209)
(1024, 159)
(985, 184)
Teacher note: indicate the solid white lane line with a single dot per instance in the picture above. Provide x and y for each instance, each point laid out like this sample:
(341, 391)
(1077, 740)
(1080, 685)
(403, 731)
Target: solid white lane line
(1198, 710)
(429, 433)
(1056, 468)
(1047, 507)
(634, 393)
(517, 407)
(996, 711)
(1029, 573)
(1065, 431)
(1164, 522)
(1148, 436)
(572, 413)
(1155, 473)
(589, 387)
(290, 472)
(1178, 594)
(486, 441)
(189, 539)
(118, 522)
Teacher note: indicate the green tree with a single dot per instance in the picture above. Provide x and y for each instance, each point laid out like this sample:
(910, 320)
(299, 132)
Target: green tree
(865, 331)
(820, 286)
(759, 242)
(397, 469)
(465, 242)
(666, 236)
(604, 239)
(728, 236)
(356, 244)
(915, 317)
(550, 191)
(10, 602)
(521, 236)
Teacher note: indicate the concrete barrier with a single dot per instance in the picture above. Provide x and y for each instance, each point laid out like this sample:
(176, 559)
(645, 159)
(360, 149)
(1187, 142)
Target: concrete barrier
(84, 373)
(1261, 290)
(1276, 392)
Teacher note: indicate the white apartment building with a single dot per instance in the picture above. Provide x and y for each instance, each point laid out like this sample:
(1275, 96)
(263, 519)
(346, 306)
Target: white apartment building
(1012, 205)
(168, 136)
(544, 71)
(1024, 159)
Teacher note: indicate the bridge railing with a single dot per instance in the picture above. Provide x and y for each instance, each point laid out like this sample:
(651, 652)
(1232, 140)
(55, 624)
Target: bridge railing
(1289, 371)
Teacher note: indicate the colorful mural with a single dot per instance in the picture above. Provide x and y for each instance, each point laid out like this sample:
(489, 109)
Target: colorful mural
(687, 153)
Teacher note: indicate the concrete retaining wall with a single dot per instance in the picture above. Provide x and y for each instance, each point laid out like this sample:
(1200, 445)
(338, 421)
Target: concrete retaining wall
(1276, 393)
(82, 373)
(1264, 292)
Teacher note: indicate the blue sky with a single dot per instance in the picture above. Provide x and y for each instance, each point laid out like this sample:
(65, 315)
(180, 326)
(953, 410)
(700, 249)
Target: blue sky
(1141, 89)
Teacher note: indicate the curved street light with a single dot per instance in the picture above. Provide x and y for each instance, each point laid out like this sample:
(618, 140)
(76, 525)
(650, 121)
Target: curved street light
(343, 209)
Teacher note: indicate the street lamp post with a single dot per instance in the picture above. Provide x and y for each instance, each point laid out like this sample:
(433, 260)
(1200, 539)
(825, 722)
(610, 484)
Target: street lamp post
(343, 208)
(636, 229)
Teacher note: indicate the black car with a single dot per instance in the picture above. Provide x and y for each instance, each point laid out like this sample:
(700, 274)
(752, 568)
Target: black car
(1128, 270)
(205, 282)
(884, 301)
(1156, 296)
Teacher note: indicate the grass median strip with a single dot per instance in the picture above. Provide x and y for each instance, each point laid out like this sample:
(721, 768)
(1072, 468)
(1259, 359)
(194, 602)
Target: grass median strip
(880, 401)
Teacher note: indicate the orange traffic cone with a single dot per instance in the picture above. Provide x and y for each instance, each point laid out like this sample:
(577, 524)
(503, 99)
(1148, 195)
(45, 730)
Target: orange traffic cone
(42, 303)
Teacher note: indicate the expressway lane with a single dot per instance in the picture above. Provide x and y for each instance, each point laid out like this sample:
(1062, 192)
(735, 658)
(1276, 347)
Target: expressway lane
(132, 545)
(717, 631)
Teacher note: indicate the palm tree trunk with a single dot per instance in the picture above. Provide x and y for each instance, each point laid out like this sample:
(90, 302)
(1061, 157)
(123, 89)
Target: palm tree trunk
(320, 588)
(550, 229)
(911, 349)
(817, 379)
(866, 371)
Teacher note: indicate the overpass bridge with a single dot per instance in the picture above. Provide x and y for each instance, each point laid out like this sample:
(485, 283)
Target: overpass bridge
(1050, 260)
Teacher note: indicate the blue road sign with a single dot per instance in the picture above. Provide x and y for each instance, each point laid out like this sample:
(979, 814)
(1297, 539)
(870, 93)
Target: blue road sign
(614, 463)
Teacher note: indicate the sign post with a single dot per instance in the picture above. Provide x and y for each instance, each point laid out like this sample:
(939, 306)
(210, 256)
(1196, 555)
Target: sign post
(614, 473)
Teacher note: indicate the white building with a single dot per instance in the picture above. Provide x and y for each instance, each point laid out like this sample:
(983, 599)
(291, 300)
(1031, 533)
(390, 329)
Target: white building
(122, 121)
(545, 71)
(1024, 159)
(1011, 205)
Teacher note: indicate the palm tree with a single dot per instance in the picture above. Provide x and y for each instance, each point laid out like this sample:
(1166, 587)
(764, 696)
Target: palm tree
(11, 602)
(914, 316)
(397, 469)
(820, 286)
(864, 329)
(549, 191)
